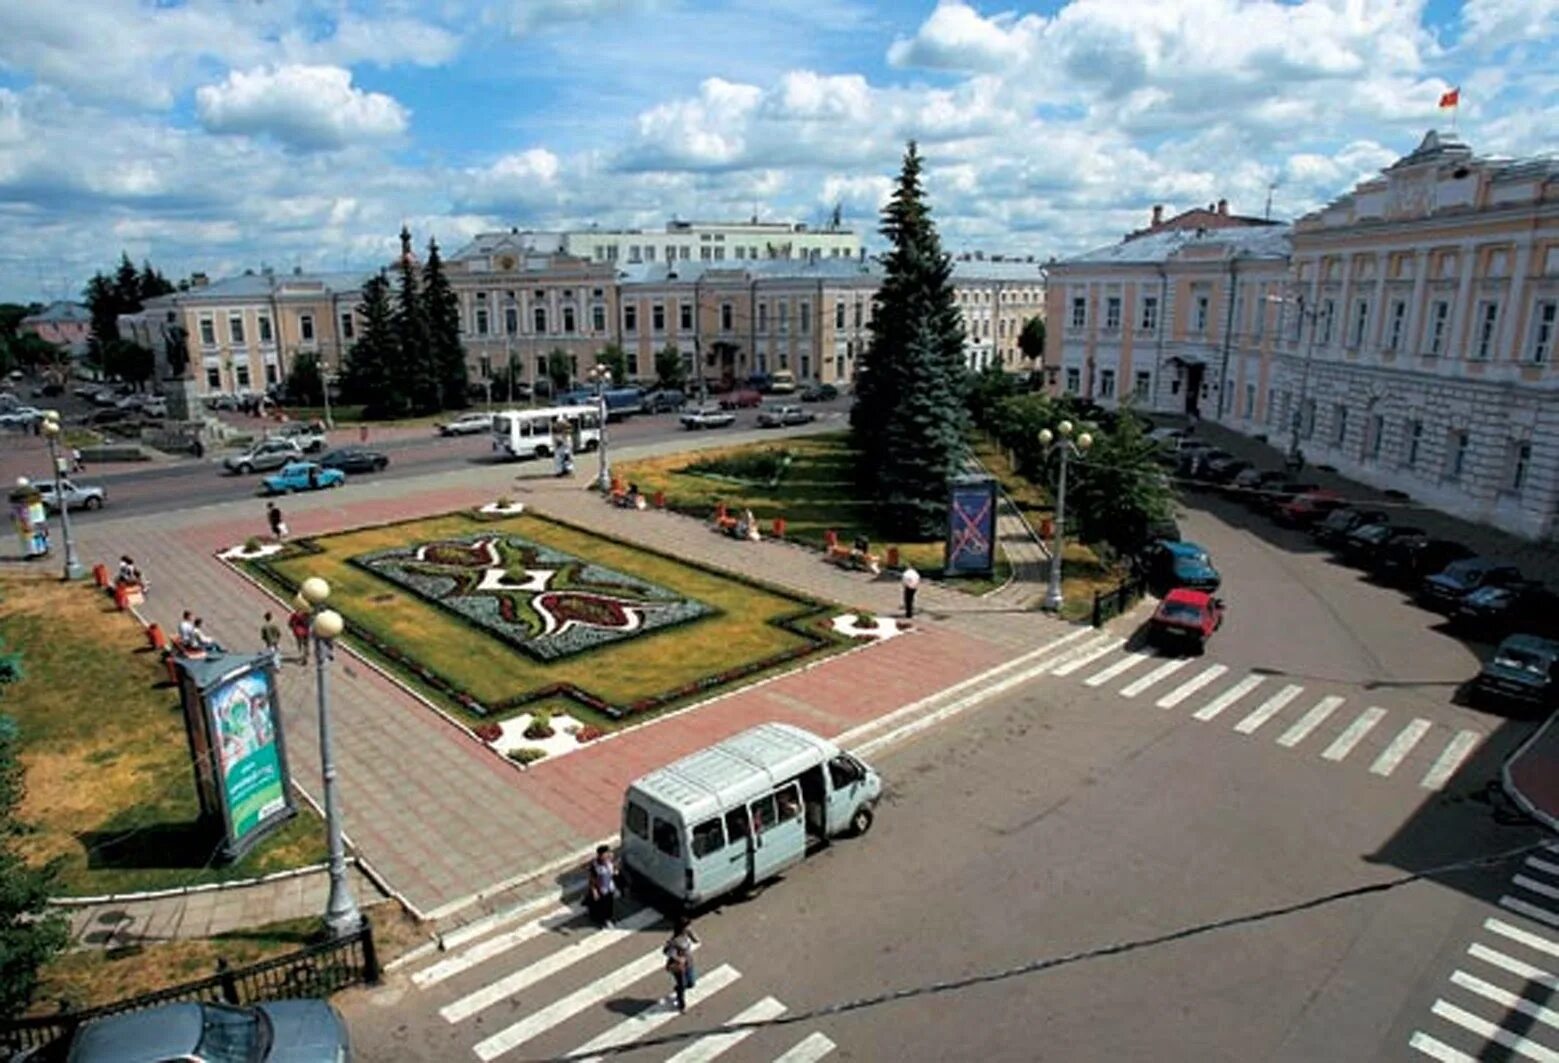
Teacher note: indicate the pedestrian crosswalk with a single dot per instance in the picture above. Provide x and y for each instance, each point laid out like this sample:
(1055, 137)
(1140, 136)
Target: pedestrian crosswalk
(554, 986)
(1322, 722)
(1499, 1002)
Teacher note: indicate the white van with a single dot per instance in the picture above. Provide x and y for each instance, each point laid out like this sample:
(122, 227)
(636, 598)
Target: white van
(742, 811)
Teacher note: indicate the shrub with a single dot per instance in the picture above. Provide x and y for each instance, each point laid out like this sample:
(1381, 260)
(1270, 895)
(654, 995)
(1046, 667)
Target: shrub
(489, 732)
(864, 619)
(526, 754)
(252, 545)
(540, 725)
(504, 501)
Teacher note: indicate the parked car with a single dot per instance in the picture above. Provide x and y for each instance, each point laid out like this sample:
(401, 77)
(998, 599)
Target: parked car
(156, 406)
(1524, 670)
(467, 424)
(265, 455)
(1222, 470)
(1406, 562)
(1497, 610)
(665, 400)
(741, 398)
(279, 1031)
(819, 392)
(1365, 543)
(302, 476)
(1180, 564)
(76, 496)
(1442, 591)
(1252, 484)
(355, 460)
(1304, 510)
(1276, 496)
(21, 417)
(1194, 461)
(1332, 528)
(309, 436)
(783, 382)
(708, 415)
(778, 416)
(1185, 619)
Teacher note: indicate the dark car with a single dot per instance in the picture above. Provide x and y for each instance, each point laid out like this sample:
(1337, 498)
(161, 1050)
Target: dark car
(1185, 619)
(1497, 610)
(1442, 591)
(819, 393)
(1252, 484)
(1307, 509)
(665, 400)
(1335, 526)
(741, 398)
(1192, 461)
(281, 1031)
(112, 415)
(1285, 492)
(1179, 564)
(1524, 670)
(355, 459)
(1406, 562)
(1365, 543)
(1223, 469)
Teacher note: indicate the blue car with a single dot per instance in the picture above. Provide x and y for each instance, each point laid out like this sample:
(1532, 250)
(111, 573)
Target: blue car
(301, 476)
(1172, 564)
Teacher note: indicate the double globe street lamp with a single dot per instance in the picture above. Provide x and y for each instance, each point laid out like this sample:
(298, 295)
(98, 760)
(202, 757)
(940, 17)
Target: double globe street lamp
(599, 375)
(1060, 441)
(51, 432)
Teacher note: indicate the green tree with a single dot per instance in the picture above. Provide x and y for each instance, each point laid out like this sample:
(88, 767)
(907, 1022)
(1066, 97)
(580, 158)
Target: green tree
(415, 363)
(30, 931)
(128, 361)
(907, 424)
(371, 374)
(986, 391)
(615, 359)
(442, 311)
(304, 385)
(560, 369)
(670, 370)
(125, 292)
(1118, 491)
(1031, 341)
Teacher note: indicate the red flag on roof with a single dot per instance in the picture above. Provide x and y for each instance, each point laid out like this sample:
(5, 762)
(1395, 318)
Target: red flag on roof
(1452, 98)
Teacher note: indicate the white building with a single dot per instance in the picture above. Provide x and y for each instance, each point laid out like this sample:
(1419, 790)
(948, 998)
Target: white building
(688, 241)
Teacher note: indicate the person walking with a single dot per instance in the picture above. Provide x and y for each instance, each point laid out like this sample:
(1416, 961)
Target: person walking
(911, 581)
(601, 888)
(298, 623)
(278, 523)
(679, 959)
(270, 636)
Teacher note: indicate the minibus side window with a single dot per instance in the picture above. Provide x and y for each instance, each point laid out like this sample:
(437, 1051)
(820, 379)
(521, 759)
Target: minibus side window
(763, 814)
(666, 839)
(638, 821)
(789, 800)
(841, 773)
(708, 838)
(736, 823)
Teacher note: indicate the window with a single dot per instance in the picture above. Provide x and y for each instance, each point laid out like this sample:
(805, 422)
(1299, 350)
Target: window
(1142, 387)
(763, 814)
(1074, 379)
(270, 373)
(481, 321)
(1112, 313)
(1328, 311)
(788, 802)
(736, 823)
(839, 314)
(235, 328)
(208, 332)
(306, 327)
(241, 376)
(727, 317)
(1199, 319)
(784, 318)
(1456, 454)
(858, 307)
(685, 317)
(1374, 433)
(658, 318)
(1106, 383)
(213, 378)
(1439, 318)
(763, 317)
(511, 319)
(1307, 419)
(708, 838)
(666, 838)
(1415, 437)
(806, 317)
(1149, 320)
(1361, 322)
(265, 329)
(1340, 424)
(570, 325)
(704, 254)
(347, 328)
(1543, 315)
(598, 318)
(539, 320)
(1269, 415)
(630, 318)
(1250, 401)
(1398, 322)
(1520, 460)
(1079, 311)
(1488, 321)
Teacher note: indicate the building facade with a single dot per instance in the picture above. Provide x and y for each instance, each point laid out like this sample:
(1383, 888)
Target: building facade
(67, 325)
(997, 297)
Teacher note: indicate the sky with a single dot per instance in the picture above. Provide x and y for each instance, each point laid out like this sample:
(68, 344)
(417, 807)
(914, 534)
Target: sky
(219, 136)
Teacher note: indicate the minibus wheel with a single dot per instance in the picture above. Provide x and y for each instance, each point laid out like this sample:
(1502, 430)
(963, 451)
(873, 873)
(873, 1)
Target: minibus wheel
(861, 821)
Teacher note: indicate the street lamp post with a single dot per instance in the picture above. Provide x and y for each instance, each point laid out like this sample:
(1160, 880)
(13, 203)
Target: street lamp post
(1060, 441)
(324, 390)
(599, 374)
(51, 432)
(1305, 314)
(341, 914)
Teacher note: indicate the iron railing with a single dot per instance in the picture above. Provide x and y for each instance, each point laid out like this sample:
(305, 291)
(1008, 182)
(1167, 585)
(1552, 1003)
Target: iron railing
(1116, 600)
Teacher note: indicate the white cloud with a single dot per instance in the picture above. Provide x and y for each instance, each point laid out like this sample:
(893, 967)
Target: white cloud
(530, 16)
(304, 107)
(957, 37)
(1491, 24)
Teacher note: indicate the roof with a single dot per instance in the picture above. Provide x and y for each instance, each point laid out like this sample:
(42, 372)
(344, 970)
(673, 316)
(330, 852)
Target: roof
(252, 285)
(1186, 596)
(1534, 643)
(60, 312)
(977, 269)
(741, 767)
(837, 269)
(1264, 242)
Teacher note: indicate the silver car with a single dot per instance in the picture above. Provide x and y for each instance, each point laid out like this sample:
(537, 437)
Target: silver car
(77, 496)
(263, 456)
(282, 1031)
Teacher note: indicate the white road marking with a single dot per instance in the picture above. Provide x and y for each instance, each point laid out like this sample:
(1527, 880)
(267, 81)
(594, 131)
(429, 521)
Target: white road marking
(1071, 653)
(1490, 1032)
(1268, 709)
(1168, 668)
(1532, 885)
(1531, 911)
(657, 1014)
(1394, 754)
(1524, 937)
(1514, 966)
(1310, 721)
(1228, 697)
(1126, 663)
(715, 1045)
(1355, 732)
(1191, 686)
(559, 1011)
(565, 957)
(1084, 660)
(815, 1047)
(1438, 1049)
(1455, 752)
(494, 946)
(1542, 865)
(1506, 999)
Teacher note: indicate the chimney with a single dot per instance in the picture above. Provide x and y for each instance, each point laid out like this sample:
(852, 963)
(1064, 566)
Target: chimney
(1158, 215)
(1223, 208)
(198, 280)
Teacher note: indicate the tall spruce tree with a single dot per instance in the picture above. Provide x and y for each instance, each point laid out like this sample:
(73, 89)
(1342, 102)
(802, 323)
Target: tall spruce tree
(442, 311)
(908, 420)
(415, 363)
(372, 372)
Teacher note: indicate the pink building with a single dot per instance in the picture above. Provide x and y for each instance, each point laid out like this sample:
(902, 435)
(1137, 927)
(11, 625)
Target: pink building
(65, 324)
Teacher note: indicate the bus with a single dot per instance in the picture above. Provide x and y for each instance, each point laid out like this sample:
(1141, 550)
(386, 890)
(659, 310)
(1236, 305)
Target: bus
(529, 433)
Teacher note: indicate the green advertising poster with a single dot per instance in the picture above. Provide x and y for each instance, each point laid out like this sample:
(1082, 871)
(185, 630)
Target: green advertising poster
(253, 779)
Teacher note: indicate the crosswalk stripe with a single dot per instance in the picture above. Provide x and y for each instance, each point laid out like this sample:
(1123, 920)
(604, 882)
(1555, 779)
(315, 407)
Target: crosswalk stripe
(649, 1019)
(1435, 1049)
(707, 1048)
(1532, 885)
(1531, 911)
(1228, 697)
(1310, 721)
(1456, 751)
(1071, 653)
(1355, 732)
(1490, 1032)
(1514, 966)
(1168, 668)
(1506, 999)
(813, 1048)
(1191, 686)
(1268, 709)
(1394, 754)
(559, 1011)
(1085, 659)
(1542, 865)
(1524, 937)
(547, 966)
(494, 946)
(1126, 663)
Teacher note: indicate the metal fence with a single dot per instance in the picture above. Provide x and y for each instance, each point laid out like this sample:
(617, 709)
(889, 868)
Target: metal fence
(1118, 599)
(315, 971)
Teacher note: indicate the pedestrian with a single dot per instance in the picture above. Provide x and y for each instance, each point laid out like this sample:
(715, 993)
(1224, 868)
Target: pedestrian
(298, 623)
(278, 524)
(76, 464)
(187, 631)
(911, 581)
(601, 888)
(204, 641)
(270, 636)
(679, 959)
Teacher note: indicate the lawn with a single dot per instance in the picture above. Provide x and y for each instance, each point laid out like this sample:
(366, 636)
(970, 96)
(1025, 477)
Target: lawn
(110, 788)
(482, 650)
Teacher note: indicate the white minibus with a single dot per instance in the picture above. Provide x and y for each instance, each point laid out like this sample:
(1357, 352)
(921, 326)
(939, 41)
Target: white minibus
(530, 433)
(730, 816)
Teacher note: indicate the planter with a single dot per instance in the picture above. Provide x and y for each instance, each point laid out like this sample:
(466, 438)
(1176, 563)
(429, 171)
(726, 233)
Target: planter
(882, 627)
(493, 509)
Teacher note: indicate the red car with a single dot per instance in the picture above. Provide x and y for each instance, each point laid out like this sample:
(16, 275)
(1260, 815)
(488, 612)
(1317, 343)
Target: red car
(1185, 618)
(741, 398)
(1304, 510)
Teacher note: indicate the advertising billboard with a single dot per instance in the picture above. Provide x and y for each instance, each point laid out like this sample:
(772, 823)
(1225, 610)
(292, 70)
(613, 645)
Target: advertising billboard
(971, 526)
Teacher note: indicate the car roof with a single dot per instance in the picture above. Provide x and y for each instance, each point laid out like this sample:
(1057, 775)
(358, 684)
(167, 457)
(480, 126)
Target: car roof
(152, 1034)
(1186, 596)
(1535, 643)
(1181, 548)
